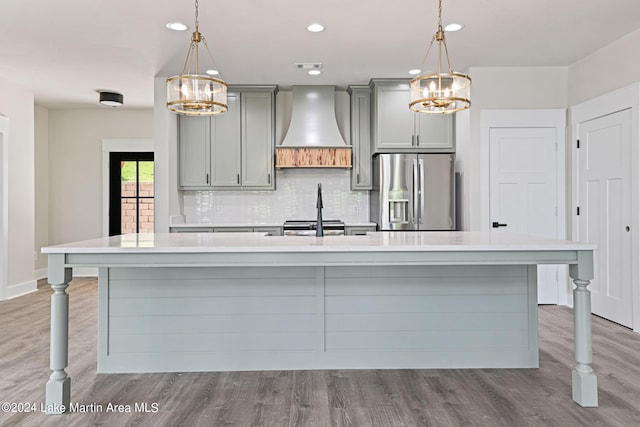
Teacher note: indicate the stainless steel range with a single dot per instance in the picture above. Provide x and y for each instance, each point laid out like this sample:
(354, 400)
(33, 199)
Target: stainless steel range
(308, 228)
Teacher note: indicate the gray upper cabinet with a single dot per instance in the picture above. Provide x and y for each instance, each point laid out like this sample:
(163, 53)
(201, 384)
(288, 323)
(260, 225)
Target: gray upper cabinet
(226, 150)
(234, 150)
(396, 128)
(361, 137)
(193, 135)
(257, 140)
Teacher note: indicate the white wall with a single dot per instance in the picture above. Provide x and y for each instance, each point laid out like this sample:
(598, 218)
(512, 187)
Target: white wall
(41, 187)
(75, 166)
(501, 88)
(605, 70)
(17, 103)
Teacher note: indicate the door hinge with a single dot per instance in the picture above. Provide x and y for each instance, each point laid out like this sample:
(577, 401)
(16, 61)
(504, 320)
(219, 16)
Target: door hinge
(578, 143)
(578, 210)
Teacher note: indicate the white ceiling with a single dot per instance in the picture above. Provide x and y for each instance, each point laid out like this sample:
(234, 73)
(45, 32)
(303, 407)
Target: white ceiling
(66, 50)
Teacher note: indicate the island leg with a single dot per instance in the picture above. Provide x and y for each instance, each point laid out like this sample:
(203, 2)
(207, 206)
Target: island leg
(58, 389)
(583, 379)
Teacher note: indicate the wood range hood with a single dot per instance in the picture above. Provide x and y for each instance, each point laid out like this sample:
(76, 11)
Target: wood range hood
(313, 139)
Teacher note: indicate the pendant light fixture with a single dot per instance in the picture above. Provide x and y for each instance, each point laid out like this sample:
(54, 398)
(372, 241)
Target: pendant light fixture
(192, 93)
(442, 92)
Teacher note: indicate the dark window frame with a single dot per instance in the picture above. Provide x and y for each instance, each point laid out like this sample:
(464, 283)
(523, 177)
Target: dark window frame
(115, 187)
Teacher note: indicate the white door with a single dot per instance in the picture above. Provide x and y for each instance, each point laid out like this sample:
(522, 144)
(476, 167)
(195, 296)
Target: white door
(604, 200)
(523, 191)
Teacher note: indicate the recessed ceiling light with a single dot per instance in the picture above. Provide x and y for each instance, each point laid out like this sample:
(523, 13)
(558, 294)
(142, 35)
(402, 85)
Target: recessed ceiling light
(453, 27)
(415, 72)
(314, 72)
(315, 28)
(177, 26)
(212, 72)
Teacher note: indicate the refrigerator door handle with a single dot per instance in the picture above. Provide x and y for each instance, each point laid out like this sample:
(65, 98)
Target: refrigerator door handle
(421, 192)
(416, 192)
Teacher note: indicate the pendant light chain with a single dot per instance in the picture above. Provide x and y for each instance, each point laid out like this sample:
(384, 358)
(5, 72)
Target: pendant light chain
(196, 39)
(197, 16)
(446, 50)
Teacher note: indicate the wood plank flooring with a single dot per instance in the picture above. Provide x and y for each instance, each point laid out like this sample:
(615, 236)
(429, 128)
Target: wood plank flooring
(473, 397)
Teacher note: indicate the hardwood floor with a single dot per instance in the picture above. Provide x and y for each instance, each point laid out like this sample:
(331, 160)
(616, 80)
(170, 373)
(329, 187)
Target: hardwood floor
(471, 397)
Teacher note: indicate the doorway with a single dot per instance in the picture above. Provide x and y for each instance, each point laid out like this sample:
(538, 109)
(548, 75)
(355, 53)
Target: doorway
(523, 192)
(604, 216)
(131, 193)
(523, 183)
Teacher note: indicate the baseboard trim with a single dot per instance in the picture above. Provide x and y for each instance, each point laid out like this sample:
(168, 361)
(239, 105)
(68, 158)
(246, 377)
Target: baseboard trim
(19, 289)
(40, 274)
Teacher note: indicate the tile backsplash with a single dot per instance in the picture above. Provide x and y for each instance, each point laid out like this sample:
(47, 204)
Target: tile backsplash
(294, 198)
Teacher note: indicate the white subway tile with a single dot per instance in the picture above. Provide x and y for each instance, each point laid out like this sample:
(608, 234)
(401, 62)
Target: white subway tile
(295, 198)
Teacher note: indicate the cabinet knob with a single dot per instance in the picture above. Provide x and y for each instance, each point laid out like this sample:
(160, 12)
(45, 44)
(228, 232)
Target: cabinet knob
(497, 224)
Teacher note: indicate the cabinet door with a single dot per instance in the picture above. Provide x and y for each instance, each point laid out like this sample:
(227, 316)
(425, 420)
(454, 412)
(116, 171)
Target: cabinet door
(434, 131)
(225, 145)
(361, 139)
(394, 120)
(193, 142)
(257, 140)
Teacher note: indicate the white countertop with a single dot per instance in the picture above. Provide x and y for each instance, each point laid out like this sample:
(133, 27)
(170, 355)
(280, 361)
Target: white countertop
(260, 243)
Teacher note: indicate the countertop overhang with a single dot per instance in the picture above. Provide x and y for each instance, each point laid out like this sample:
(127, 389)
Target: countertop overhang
(157, 243)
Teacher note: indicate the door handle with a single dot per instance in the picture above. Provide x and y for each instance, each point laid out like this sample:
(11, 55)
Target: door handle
(497, 224)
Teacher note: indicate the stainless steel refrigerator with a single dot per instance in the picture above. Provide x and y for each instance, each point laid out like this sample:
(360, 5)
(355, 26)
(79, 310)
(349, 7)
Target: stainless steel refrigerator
(413, 192)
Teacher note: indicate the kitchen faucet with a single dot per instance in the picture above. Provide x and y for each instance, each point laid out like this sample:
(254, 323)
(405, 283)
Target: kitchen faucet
(319, 230)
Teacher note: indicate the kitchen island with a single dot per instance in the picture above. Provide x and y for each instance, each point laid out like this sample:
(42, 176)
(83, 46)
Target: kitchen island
(229, 301)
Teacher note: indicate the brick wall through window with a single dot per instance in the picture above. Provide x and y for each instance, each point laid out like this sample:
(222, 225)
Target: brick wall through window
(128, 207)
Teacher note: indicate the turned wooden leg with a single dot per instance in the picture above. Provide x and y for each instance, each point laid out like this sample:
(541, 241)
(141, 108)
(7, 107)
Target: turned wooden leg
(58, 389)
(583, 380)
